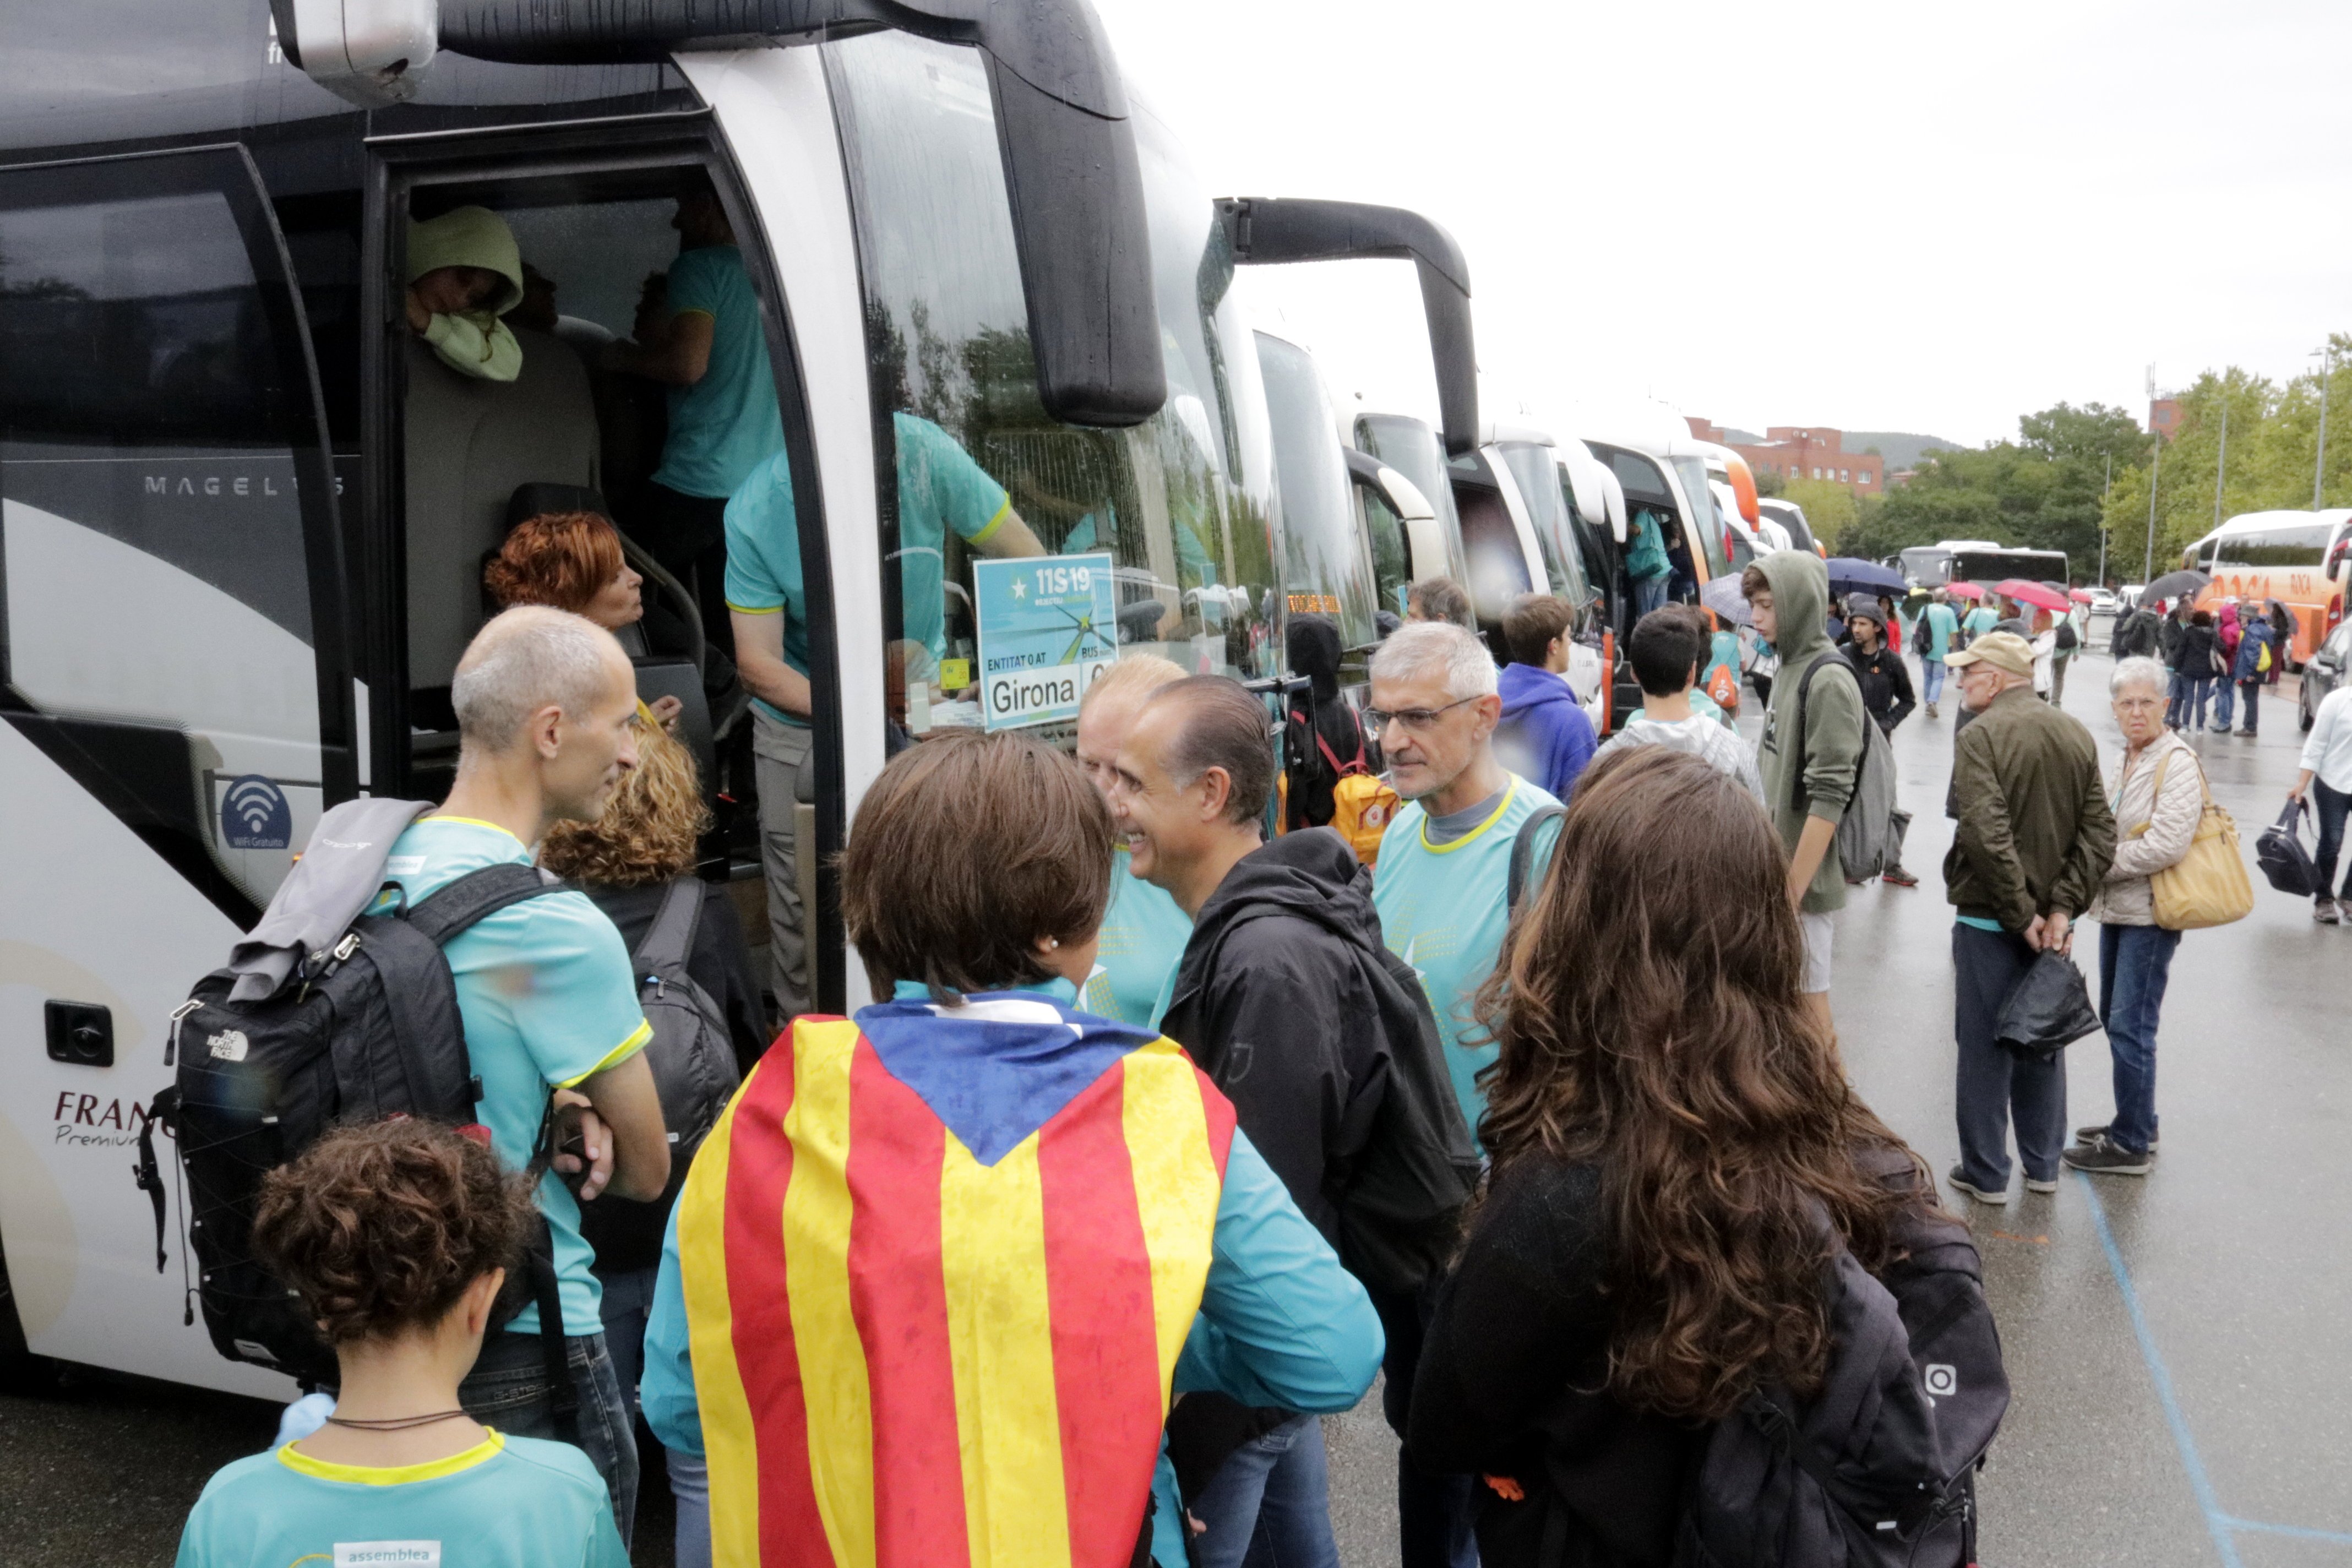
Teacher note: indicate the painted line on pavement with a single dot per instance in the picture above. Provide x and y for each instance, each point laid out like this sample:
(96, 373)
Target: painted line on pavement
(2223, 1526)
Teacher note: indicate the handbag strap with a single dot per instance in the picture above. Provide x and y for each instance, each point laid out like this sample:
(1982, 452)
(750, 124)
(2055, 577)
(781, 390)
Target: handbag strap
(2156, 796)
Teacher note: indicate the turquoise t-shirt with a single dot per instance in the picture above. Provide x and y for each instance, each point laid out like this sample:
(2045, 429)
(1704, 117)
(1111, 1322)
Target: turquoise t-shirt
(939, 488)
(764, 563)
(549, 998)
(1143, 935)
(1442, 911)
(1980, 620)
(1942, 626)
(725, 424)
(504, 1502)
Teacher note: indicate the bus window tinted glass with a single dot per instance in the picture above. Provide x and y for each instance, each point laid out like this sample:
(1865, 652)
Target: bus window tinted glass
(1183, 503)
(158, 596)
(1536, 471)
(1325, 569)
(1703, 521)
(1392, 553)
(1413, 449)
(2290, 544)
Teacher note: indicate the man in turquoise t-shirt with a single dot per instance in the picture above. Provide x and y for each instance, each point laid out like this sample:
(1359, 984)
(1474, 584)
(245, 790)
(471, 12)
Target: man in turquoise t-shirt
(939, 488)
(547, 714)
(1145, 929)
(1978, 621)
(1445, 861)
(1941, 627)
(711, 351)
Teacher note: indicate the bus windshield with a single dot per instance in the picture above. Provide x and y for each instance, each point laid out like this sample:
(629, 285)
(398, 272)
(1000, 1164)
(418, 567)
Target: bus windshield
(1325, 572)
(1927, 565)
(2000, 565)
(1182, 504)
(1411, 447)
(1537, 473)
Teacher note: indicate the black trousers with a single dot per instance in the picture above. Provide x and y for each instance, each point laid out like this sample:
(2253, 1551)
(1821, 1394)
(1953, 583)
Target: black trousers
(687, 534)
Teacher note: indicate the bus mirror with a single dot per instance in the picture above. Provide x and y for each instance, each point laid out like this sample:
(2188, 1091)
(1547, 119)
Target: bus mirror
(1266, 231)
(1071, 173)
(370, 52)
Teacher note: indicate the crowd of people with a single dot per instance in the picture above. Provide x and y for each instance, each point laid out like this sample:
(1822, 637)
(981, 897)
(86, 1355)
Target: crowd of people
(1177, 1117)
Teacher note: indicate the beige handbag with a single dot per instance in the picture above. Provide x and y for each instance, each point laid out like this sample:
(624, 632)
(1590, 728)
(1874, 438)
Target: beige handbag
(2208, 885)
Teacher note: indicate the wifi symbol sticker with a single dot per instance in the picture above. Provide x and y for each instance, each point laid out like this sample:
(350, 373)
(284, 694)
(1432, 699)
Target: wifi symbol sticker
(254, 816)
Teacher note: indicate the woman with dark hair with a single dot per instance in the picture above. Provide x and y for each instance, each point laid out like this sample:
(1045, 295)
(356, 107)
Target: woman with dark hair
(941, 1263)
(2195, 662)
(572, 561)
(1334, 740)
(1669, 1127)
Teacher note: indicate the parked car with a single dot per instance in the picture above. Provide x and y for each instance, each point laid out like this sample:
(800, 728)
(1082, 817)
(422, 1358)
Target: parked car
(2323, 672)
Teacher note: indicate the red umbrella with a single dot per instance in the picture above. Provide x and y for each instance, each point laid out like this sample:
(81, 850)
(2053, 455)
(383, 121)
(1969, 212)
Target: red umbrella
(1964, 590)
(2082, 596)
(2026, 591)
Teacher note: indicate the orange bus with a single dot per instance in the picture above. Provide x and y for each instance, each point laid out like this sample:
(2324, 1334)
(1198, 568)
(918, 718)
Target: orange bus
(2295, 557)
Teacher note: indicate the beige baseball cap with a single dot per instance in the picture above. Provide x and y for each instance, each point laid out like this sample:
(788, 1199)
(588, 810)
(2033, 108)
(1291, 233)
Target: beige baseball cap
(2002, 650)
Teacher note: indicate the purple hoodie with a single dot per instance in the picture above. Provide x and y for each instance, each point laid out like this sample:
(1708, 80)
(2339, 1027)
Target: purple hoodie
(1544, 737)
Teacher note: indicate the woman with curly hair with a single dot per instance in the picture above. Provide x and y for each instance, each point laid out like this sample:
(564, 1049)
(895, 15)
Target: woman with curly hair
(1667, 1122)
(572, 561)
(397, 1236)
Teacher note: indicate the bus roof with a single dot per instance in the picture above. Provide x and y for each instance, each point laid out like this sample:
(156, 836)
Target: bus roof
(2247, 522)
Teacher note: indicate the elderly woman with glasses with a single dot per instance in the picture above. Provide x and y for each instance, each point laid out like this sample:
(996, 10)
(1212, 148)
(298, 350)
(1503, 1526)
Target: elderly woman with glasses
(2158, 795)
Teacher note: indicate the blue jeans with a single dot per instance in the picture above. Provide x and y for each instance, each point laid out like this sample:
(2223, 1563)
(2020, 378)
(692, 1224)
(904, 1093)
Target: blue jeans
(1998, 1089)
(507, 1389)
(1269, 1504)
(2334, 806)
(689, 1484)
(2135, 962)
(2225, 707)
(629, 1298)
(1650, 593)
(2187, 692)
(1931, 679)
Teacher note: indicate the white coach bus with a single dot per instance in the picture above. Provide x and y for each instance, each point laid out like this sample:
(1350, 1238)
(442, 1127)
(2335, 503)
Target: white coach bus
(243, 513)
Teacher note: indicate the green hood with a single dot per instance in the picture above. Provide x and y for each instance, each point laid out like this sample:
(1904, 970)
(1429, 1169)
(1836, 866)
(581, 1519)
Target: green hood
(468, 236)
(1801, 604)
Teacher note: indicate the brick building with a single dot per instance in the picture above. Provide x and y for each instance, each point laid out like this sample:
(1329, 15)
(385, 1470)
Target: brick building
(1803, 452)
(2164, 417)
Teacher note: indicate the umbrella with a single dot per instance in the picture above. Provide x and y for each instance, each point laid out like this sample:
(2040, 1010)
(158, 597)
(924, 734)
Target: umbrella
(2030, 592)
(1722, 596)
(1964, 590)
(2082, 596)
(1851, 574)
(2187, 582)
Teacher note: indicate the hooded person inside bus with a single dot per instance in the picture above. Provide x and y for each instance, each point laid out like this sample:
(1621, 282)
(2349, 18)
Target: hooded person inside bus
(464, 272)
(937, 1310)
(1811, 752)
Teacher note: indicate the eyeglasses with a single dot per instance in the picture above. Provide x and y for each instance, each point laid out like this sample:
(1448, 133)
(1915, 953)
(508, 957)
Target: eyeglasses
(1414, 719)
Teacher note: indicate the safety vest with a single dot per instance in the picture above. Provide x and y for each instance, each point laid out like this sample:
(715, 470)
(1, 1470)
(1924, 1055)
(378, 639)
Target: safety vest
(908, 1353)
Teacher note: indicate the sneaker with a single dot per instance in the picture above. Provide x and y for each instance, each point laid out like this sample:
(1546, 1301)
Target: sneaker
(2085, 1134)
(1997, 1200)
(1899, 876)
(2104, 1156)
(2043, 1184)
(2249, 734)
(2326, 912)
(1931, 710)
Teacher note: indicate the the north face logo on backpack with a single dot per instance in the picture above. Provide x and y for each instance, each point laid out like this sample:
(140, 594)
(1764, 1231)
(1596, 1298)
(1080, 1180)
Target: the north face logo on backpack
(229, 1045)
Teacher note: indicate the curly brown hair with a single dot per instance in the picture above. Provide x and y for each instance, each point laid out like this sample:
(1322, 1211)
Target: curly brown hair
(650, 829)
(380, 1227)
(1652, 1026)
(559, 558)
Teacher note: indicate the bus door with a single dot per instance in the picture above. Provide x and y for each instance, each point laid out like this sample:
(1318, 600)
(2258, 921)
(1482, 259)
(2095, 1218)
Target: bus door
(175, 683)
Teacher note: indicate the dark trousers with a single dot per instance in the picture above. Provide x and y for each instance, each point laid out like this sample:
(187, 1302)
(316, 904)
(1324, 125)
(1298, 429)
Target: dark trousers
(1998, 1089)
(687, 534)
(2251, 690)
(2334, 806)
(1436, 1514)
(2135, 962)
(507, 1390)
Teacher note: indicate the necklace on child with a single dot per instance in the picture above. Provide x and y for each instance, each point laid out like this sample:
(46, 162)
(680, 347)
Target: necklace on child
(394, 1422)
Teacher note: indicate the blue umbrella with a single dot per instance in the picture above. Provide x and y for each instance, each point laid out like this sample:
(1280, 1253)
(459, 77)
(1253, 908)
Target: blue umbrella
(1851, 574)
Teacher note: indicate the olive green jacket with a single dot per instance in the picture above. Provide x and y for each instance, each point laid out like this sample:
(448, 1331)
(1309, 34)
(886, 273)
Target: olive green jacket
(2035, 834)
(1812, 774)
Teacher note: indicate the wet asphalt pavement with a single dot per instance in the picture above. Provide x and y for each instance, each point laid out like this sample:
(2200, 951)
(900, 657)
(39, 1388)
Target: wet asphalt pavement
(2180, 1346)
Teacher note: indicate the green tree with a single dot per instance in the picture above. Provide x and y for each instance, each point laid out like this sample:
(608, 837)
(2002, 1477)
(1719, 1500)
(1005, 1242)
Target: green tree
(1831, 508)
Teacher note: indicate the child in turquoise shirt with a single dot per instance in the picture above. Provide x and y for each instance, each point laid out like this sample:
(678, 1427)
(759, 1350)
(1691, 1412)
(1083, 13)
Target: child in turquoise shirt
(396, 1236)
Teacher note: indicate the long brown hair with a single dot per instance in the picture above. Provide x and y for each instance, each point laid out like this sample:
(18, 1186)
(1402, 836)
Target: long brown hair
(1652, 1026)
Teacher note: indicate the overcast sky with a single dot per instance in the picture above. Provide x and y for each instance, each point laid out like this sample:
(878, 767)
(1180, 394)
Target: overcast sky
(1853, 213)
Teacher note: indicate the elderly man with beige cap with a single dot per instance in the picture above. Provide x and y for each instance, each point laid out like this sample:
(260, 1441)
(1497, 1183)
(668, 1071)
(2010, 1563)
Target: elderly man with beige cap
(2034, 840)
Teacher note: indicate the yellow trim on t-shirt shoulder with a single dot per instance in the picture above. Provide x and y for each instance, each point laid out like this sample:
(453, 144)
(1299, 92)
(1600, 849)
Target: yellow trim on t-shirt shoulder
(1510, 793)
(748, 610)
(471, 822)
(615, 1056)
(300, 1463)
(995, 523)
(692, 310)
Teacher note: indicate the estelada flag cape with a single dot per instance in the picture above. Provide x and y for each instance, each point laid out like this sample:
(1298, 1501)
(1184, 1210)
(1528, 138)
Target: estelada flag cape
(938, 1265)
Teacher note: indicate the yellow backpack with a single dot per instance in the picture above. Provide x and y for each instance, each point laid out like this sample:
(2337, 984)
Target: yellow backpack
(1362, 806)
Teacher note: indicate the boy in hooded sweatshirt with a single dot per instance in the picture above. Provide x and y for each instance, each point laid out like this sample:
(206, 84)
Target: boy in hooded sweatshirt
(464, 273)
(1544, 736)
(1811, 747)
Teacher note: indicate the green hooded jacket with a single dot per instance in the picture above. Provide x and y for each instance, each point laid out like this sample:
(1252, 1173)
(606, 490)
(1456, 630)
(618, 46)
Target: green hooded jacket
(1813, 774)
(473, 342)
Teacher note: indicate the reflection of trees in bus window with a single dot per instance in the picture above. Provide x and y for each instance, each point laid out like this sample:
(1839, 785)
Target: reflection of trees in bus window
(1391, 565)
(1326, 571)
(1182, 503)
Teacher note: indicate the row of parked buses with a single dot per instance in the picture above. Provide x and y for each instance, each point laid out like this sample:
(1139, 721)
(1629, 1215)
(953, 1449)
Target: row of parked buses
(243, 511)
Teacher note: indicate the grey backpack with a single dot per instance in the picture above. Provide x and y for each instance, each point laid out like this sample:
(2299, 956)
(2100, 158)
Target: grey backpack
(1867, 841)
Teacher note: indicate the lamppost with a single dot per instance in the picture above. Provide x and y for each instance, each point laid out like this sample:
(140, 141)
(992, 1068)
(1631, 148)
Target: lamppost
(2221, 464)
(2156, 472)
(2105, 490)
(2327, 358)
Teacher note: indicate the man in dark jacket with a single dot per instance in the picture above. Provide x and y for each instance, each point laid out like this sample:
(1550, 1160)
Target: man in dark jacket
(2135, 635)
(1289, 1000)
(2035, 841)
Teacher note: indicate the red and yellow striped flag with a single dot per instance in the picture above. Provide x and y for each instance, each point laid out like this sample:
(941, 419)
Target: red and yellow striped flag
(906, 1357)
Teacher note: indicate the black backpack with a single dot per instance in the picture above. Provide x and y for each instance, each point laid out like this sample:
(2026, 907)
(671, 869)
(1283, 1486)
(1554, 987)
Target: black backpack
(1879, 1466)
(364, 1030)
(1523, 859)
(2279, 851)
(693, 1061)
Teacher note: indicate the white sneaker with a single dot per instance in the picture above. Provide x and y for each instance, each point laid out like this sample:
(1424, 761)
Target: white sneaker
(1998, 1200)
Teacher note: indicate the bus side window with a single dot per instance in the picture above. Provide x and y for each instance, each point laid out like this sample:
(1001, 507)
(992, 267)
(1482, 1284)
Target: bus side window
(157, 426)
